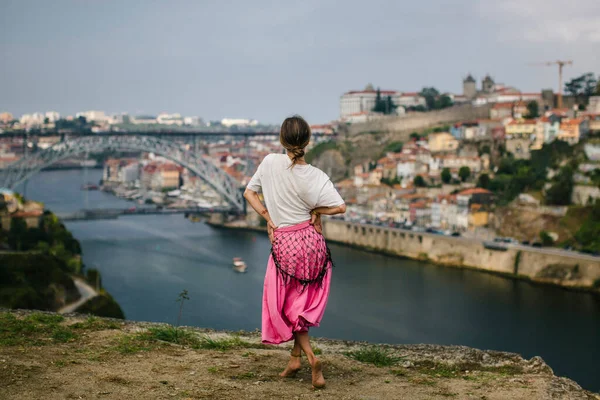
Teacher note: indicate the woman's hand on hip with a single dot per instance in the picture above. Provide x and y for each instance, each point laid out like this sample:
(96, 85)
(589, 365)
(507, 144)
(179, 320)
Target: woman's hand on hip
(315, 220)
(271, 230)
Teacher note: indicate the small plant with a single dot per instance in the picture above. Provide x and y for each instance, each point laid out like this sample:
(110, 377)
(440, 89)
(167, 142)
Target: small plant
(378, 356)
(183, 296)
(63, 334)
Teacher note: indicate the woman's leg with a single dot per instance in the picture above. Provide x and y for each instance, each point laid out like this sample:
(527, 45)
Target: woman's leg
(318, 380)
(294, 364)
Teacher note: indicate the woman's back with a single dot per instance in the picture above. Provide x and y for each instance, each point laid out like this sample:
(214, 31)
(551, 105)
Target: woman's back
(291, 193)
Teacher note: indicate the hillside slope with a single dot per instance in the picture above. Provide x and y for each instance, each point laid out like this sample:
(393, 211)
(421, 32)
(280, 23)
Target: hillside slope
(51, 357)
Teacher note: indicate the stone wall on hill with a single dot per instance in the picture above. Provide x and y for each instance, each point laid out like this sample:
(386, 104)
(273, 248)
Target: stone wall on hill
(415, 121)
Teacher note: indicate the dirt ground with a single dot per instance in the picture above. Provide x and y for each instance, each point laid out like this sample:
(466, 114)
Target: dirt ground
(108, 360)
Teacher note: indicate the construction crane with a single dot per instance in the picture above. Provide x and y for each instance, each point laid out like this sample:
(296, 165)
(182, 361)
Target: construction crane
(560, 64)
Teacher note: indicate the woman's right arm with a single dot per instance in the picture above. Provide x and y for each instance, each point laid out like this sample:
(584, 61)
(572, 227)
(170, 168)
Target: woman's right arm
(341, 209)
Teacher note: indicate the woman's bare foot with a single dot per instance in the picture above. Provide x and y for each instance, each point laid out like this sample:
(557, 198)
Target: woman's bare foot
(318, 381)
(292, 368)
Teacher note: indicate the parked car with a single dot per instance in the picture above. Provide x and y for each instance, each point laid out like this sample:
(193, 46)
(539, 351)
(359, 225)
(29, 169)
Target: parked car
(536, 244)
(456, 234)
(525, 242)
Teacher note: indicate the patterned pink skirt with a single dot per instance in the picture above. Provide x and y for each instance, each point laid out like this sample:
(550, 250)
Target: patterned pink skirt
(297, 283)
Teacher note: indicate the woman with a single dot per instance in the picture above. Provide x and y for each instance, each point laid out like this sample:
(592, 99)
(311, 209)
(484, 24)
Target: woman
(299, 270)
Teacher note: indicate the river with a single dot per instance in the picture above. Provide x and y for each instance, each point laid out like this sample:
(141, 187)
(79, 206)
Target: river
(146, 261)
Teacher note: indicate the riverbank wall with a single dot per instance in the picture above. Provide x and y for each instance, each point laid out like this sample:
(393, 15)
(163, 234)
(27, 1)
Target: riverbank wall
(549, 266)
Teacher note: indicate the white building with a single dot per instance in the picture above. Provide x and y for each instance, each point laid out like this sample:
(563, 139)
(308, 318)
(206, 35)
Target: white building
(52, 116)
(192, 121)
(356, 102)
(594, 105)
(93, 116)
(169, 119)
(144, 120)
(228, 122)
(35, 119)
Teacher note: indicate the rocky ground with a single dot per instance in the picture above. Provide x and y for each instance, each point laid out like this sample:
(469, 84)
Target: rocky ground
(48, 356)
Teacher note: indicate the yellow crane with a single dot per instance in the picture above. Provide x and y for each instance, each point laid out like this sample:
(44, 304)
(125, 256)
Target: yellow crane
(560, 64)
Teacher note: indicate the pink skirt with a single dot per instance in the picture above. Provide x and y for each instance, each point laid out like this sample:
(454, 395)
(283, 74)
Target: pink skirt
(289, 307)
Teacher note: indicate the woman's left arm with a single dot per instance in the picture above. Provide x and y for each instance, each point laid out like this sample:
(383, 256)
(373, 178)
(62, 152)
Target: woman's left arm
(252, 197)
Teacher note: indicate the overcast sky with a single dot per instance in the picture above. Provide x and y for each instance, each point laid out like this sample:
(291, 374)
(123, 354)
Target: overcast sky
(269, 59)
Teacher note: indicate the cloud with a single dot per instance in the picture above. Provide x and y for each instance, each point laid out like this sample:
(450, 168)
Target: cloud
(544, 21)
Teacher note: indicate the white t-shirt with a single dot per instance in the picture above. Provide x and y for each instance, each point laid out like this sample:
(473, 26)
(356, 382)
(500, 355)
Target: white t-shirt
(292, 193)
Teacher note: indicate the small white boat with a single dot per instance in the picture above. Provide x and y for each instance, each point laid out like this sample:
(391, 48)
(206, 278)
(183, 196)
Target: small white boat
(239, 265)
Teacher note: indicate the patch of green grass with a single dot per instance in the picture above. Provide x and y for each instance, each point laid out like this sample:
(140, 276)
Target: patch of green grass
(378, 356)
(63, 334)
(131, 344)
(457, 370)
(188, 338)
(317, 351)
(213, 370)
(223, 344)
(33, 330)
(95, 324)
(45, 319)
(173, 335)
(245, 375)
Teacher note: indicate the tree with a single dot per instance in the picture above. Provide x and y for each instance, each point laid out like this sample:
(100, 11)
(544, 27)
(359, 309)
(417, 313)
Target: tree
(485, 149)
(584, 85)
(419, 181)
(385, 106)
(415, 136)
(443, 101)
(446, 175)
(533, 110)
(546, 239)
(430, 94)
(560, 192)
(483, 181)
(464, 173)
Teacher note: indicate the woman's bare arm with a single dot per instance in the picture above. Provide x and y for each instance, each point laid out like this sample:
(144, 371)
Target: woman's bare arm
(341, 209)
(258, 206)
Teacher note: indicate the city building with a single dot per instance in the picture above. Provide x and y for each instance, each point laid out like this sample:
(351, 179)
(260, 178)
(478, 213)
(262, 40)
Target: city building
(6, 117)
(573, 130)
(169, 119)
(144, 120)
(93, 116)
(442, 142)
(52, 116)
(359, 102)
(229, 122)
(160, 176)
(125, 171)
(593, 106)
(32, 120)
(192, 121)
(469, 87)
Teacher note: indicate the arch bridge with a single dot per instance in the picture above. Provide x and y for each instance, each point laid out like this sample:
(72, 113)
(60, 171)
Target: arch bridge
(31, 164)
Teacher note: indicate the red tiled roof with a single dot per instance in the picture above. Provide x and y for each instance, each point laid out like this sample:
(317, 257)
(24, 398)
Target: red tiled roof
(523, 122)
(386, 92)
(468, 192)
(574, 121)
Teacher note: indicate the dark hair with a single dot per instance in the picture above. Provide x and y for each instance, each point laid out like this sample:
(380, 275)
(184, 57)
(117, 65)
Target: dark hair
(294, 136)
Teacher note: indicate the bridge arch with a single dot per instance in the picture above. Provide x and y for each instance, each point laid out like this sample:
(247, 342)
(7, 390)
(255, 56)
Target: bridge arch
(31, 164)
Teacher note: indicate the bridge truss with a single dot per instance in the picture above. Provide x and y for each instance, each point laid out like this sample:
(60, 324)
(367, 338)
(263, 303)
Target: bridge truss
(33, 163)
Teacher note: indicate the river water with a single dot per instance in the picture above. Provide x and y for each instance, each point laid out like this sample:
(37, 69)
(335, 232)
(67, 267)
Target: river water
(146, 261)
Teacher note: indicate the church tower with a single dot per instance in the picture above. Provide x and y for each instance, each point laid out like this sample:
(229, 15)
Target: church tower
(469, 87)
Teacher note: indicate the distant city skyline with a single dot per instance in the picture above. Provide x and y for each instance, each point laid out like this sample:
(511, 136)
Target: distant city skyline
(253, 60)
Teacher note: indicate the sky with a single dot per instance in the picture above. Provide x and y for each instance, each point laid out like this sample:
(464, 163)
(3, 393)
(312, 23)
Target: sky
(269, 59)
